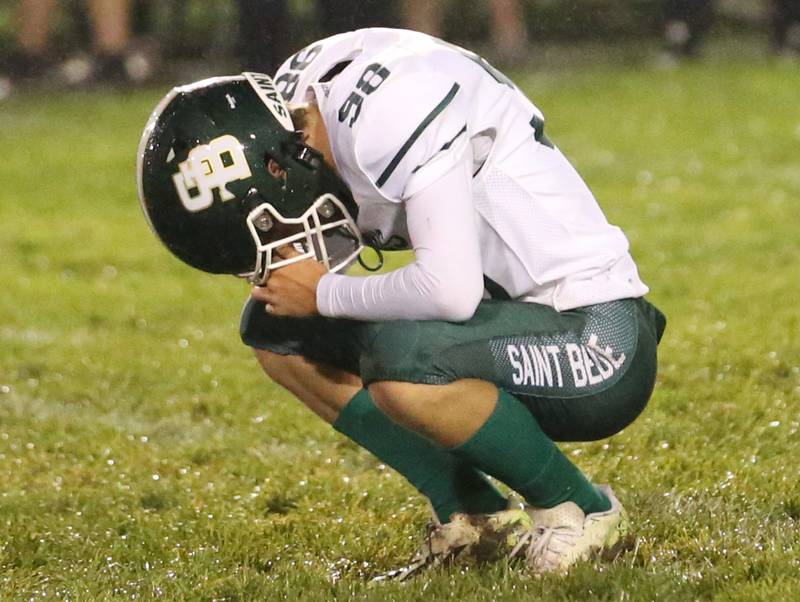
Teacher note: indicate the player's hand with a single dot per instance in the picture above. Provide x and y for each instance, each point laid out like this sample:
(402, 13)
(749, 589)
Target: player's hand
(292, 289)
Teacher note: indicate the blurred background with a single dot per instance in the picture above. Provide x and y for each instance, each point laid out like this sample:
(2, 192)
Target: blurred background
(118, 42)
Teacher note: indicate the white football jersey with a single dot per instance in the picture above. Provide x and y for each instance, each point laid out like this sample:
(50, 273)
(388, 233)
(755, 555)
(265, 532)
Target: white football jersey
(402, 109)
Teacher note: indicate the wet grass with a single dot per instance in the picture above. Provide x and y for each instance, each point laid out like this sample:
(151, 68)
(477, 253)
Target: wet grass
(143, 455)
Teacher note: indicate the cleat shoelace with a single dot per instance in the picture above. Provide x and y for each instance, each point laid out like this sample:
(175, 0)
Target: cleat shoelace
(540, 540)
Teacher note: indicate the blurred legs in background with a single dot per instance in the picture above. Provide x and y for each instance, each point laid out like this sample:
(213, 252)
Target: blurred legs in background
(112, 38)
(785, 21)
(337, 16)
(268, 36)
(509, 34)
(112, 59)
(686, 22)
(34, 25)
(264, 34)
(32, 56)
(423, 15)
(111, 25)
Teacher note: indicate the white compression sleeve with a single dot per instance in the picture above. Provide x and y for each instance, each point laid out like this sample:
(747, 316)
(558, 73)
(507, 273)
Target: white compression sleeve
(445, 282)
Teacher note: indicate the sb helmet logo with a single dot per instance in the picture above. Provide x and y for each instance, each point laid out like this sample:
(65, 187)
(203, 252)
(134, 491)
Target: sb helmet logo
(210, 166)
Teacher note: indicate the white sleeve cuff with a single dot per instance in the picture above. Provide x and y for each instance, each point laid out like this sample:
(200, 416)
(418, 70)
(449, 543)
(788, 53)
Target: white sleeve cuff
(324, 296)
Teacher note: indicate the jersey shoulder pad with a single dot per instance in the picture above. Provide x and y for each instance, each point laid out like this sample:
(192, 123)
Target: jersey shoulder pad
(412, 131)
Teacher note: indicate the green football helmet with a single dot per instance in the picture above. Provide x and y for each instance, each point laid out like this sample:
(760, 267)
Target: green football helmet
(207, 193)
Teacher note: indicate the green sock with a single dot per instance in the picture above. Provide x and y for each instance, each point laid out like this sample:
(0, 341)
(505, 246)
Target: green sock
(447, 480)
(512, 447)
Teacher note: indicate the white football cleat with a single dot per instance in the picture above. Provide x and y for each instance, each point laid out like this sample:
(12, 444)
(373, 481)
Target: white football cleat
(564, 535)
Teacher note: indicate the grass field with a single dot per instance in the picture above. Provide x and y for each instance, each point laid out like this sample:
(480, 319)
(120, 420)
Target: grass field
(143, 455)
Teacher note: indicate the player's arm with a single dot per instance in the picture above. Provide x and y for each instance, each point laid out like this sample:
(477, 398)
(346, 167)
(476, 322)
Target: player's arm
(421, 157)
(410, 143)
(445, 281)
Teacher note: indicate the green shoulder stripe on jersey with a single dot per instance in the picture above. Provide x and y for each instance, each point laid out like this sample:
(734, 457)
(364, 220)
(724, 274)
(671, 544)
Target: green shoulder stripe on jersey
(445, 146)
(417, 133)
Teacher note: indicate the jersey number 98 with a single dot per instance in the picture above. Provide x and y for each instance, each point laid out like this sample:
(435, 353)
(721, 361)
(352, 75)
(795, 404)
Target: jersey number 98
(370, 80)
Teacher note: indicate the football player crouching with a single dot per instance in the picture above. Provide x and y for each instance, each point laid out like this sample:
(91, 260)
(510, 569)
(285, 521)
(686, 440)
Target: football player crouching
(520, 322)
